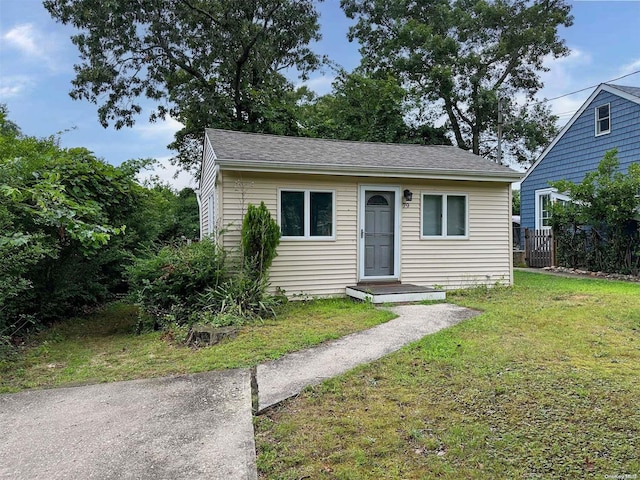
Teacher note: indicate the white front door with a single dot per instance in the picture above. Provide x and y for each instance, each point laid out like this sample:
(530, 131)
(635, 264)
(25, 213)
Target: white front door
(379, 222)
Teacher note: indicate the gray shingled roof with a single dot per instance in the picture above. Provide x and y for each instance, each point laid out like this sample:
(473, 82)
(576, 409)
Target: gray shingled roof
(321, 154)
(635, 91)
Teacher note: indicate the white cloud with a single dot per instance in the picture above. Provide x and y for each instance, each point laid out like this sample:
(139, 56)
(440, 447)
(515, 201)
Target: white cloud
(165, 173)
(630, 67)
(13, 86)
(24, 38)
(159, 129)
(564, 73)
(34, 44)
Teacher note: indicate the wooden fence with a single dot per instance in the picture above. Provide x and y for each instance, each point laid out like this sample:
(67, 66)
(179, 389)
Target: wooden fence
(539, 248)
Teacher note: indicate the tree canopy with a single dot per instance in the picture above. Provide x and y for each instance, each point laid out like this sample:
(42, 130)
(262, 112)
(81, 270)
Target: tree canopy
(206, 63)
(372, 109)
(462, 55)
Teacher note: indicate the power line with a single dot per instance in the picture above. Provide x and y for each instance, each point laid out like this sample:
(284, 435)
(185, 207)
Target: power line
(586, 88)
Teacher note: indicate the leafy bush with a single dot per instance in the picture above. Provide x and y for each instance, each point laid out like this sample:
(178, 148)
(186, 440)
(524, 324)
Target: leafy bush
(168, 283)
(598, 230)
(182, 285)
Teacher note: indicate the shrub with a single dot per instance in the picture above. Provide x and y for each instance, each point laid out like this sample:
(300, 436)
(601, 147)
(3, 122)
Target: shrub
(167, 284)
(260, 238)
(243, 296)
(183, 285)
(598, 229)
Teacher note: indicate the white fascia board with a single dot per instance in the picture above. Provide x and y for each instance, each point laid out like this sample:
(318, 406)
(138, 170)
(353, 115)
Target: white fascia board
(602, 87)
(621, 93)
(478, 176)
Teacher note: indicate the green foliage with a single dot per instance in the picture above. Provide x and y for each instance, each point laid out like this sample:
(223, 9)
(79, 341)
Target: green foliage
(367, 109)
(167, 284)
(515, 202)
(194, 284)
(61, 211)
(599, 230)
(458, 57)
(167, 216)
(214, 63)
(260, 238)
(243, 297)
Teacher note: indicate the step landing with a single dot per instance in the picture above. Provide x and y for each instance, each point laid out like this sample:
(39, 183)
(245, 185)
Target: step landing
(394, 293)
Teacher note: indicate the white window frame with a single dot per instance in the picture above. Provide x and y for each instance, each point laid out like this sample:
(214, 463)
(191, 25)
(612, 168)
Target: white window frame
(554, 196)
(307, 214)
(445, 234)
(598, 119)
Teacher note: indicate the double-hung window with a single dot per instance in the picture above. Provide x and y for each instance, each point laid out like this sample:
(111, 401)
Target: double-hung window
(444, 216)
(307, 214)
(603, 119)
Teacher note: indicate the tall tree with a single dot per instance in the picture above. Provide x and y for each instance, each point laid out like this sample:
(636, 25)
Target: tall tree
(461, 55)
(207, 63)
(365, 108)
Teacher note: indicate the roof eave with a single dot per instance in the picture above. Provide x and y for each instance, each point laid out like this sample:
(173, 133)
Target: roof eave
(350, 170)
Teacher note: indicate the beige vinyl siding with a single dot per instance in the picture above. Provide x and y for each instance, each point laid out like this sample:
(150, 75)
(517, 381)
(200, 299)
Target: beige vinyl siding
(483, 258)
(207, 188)
(302, 267)
(320, 268)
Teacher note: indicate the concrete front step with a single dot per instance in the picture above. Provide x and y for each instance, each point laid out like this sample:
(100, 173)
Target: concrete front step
(394, 293)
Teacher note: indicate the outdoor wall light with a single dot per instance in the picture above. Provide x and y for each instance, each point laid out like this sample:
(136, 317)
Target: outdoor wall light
(408, 195)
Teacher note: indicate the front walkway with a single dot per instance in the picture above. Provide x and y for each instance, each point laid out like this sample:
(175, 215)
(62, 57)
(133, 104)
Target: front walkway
(289, 375)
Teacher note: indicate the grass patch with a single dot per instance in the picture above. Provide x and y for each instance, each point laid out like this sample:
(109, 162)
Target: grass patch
(543, 384)
(104, 348)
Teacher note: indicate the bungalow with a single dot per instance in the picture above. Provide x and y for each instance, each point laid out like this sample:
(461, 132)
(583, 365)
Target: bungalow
(356, 212)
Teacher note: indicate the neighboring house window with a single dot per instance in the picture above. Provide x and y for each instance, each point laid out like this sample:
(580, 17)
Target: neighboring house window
(544, 200)
(603, 119)
(444, 216)
(307, 214)
(544, 219)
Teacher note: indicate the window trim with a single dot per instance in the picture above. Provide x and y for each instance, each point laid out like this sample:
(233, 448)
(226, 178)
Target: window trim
(445, 234)
(599, 132)
(554, 196)
(307, 214)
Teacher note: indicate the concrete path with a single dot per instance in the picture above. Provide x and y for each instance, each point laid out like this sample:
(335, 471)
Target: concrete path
(196, 427)
(289, 375)
(193, 426)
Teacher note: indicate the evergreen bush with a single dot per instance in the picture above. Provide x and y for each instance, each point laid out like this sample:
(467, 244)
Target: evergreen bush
(260, 238)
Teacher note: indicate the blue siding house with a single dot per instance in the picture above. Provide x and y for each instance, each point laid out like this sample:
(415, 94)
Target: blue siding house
(610, 118)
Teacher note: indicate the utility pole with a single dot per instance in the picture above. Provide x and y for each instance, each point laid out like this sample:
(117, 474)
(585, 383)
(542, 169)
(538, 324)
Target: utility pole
(499, 156)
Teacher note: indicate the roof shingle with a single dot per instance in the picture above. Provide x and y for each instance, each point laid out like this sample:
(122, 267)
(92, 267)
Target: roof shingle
(300, 152)
(635, 91)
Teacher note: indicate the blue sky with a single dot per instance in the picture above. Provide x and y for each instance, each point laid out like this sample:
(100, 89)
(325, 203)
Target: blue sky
(37, 58)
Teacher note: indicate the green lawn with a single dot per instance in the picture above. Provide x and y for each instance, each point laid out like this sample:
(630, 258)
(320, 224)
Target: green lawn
(104, 348)
(544, 384)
